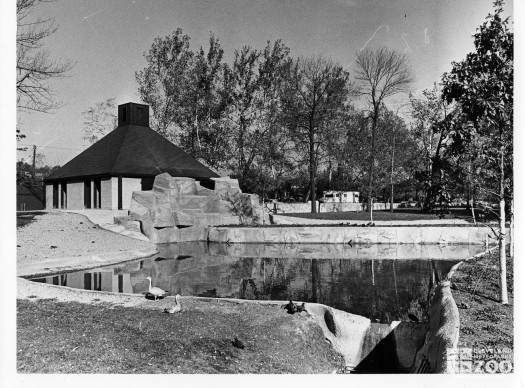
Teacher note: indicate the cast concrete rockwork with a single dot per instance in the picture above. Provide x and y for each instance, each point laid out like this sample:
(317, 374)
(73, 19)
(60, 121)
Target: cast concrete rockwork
(356, 339)
(180, 209)
(443, 334)
(353, 235)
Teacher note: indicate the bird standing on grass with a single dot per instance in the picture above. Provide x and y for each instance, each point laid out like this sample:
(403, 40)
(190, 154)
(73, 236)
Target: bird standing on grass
(237, 343)
(292, 308)
(156, 292)
(174, 309)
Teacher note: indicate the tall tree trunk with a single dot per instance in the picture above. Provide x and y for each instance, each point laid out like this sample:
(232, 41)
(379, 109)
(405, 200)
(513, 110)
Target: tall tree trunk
(392, 172)
(313, 206)
(511, 248)
(329, 174)
(371, 174)
(502, 232)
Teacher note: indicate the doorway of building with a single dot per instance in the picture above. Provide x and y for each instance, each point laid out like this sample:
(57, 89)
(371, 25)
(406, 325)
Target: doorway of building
(55, 195)
(87, 194)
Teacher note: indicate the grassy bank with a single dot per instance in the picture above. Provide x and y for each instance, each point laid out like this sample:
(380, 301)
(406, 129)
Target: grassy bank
(71, 337)
(384, 215)
(485, 323)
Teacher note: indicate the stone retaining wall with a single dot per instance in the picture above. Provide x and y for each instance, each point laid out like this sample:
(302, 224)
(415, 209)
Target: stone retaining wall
(354, 235)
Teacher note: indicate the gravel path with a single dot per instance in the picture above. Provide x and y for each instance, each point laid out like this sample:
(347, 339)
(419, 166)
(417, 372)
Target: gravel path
(58, 234)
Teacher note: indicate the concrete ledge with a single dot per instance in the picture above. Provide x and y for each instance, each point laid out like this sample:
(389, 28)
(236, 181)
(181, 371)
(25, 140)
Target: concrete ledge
(77, 263)
(354, 235)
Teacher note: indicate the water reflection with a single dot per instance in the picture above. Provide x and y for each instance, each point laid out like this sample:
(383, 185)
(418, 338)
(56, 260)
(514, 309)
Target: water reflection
(383, 283)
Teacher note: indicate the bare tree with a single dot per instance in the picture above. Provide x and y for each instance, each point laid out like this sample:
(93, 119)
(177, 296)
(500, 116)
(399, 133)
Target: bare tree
(313, 106)
(99, 120)
(380, 74)
(34, 65)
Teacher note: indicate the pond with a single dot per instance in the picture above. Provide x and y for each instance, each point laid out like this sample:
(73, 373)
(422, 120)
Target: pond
(381, 282)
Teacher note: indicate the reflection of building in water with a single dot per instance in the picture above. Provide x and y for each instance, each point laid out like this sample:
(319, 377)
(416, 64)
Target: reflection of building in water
(91, 280)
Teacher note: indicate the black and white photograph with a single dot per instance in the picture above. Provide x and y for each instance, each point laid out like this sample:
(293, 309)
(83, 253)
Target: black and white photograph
(294, 189)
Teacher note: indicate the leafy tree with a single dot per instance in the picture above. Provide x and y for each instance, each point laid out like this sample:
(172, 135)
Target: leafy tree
(99, 120)
(313, 105)
(185, 91)
(348, 153)
(258, 142)
(483, 85)
(31, 176)
(34, 65)
(380, 74)
(400, 148)
(433, 118)
(203, 132)
(272, 164)
(165, 83)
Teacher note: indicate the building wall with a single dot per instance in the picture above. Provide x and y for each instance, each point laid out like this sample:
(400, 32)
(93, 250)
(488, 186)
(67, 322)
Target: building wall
(114, 193)
(129, 185)
(75, 195)
(109, 193)
(106, 193)
(49, 196)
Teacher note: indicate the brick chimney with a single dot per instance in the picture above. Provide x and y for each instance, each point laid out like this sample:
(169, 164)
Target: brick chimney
(133, 114)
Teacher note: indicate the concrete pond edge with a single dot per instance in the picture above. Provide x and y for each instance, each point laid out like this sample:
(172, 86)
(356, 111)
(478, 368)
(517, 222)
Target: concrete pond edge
(61, 265)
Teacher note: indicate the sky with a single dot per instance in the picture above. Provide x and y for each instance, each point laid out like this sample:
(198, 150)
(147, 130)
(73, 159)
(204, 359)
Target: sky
(107, 41)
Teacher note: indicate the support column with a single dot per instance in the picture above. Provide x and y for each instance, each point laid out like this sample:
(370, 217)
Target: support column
(92, 189)
(60, 196)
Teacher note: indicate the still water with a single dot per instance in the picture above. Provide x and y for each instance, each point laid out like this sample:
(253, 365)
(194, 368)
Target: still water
(381, 282)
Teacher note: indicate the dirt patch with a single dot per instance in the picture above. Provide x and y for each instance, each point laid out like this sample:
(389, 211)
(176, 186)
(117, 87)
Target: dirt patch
(486, 324)
(60, 234)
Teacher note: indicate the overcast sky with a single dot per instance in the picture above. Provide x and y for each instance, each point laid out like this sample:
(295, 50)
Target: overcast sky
(107, 40)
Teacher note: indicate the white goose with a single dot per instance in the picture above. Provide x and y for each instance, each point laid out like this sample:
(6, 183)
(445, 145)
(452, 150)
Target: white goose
(155, 291)
(175, 309)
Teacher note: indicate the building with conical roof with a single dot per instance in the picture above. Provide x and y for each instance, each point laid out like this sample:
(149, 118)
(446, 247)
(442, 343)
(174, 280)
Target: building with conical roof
(126, 160)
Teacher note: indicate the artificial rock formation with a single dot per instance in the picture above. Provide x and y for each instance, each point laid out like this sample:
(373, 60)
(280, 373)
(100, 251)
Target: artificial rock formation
(180, 209)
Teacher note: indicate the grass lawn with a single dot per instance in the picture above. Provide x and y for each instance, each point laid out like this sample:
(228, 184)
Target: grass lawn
(384, 215)
(485, 323)
(60, 337)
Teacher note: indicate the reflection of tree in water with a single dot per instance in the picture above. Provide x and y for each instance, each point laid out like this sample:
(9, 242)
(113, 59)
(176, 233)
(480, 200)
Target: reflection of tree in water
(248, 290)
(383, 290)
(275, 278)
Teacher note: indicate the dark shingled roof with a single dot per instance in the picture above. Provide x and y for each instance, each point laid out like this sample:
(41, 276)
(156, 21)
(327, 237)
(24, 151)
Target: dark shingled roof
(133, 151)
